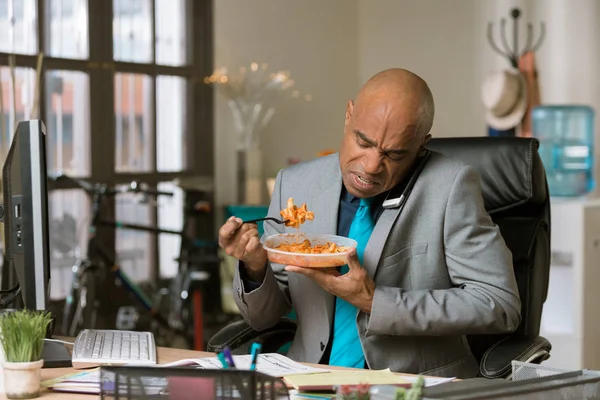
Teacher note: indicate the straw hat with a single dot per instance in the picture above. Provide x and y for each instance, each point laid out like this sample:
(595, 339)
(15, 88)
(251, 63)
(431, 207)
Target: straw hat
(504, 96)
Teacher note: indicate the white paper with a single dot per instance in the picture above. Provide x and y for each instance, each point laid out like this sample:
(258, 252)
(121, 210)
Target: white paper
(428, 381)
(89, 376)
(273, 364)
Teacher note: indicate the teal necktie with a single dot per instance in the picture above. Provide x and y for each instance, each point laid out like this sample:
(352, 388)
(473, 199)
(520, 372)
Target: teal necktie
(346, 350)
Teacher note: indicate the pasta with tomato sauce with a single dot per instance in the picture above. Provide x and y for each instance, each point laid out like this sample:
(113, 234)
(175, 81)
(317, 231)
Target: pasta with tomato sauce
(295, 216)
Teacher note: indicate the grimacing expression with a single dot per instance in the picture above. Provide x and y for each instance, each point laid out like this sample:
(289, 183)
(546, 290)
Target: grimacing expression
(380, 144)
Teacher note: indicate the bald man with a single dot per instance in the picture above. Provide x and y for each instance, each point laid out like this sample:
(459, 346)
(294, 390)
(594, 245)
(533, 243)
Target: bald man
(429, 268)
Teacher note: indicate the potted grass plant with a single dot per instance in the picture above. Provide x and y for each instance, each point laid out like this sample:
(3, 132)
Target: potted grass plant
(22, 335)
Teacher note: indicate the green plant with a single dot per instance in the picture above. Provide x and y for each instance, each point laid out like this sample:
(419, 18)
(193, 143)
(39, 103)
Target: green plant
(414, 393)
(22, 334)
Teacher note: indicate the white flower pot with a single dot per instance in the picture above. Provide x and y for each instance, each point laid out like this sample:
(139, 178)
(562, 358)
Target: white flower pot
(22, 379)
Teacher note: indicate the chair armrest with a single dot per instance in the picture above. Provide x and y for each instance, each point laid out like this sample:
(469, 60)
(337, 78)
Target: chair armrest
(496, 362)
(238, 336)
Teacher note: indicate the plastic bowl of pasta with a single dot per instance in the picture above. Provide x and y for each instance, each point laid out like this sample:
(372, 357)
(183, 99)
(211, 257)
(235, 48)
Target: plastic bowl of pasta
(308, 249)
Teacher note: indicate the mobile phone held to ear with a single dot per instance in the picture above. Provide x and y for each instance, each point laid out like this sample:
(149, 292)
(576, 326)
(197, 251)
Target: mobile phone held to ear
(397, 198)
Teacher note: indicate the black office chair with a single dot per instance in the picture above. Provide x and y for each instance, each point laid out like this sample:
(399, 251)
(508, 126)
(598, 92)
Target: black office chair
(516, 197)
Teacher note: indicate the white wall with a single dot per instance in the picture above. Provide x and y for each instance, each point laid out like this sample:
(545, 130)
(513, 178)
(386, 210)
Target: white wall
(438, 41)
(446, 43)
(332, 47)
(316, 41)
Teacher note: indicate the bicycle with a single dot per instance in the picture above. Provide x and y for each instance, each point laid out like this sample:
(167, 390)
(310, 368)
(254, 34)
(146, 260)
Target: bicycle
(83, 301)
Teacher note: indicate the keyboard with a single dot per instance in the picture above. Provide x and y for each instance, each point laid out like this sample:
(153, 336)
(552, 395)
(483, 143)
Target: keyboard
(94, 347)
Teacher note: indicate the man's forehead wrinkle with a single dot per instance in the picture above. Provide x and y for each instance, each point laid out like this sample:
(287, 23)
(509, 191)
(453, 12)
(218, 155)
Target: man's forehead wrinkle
(383, 122)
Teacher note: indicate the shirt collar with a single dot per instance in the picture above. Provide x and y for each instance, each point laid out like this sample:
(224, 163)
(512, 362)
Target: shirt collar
(350, 198)
(347, 196)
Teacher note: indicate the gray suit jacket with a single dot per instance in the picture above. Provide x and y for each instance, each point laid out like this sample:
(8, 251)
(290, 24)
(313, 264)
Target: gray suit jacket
(440, 265)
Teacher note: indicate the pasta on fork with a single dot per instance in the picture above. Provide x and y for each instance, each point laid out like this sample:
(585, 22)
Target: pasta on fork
(295, 216)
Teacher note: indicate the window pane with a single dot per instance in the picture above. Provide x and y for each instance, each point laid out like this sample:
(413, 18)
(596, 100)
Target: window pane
(17, 104)
(68, 123)
(170, 216)
(69, 212)
(134, 248)
(67, 28)
(18, 24)
(170, 123)
(171, 26)
(134, 147)
(132, 30)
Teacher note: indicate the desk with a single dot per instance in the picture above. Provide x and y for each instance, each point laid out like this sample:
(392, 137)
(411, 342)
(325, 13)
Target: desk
(165, 355)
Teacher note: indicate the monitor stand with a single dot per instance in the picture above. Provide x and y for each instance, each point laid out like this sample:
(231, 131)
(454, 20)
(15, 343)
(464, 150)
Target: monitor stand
(56, 355)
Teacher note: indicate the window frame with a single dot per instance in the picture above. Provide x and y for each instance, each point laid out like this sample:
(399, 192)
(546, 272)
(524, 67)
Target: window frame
(101, 69)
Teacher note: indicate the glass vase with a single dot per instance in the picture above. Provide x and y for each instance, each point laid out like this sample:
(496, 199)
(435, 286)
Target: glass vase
(249, 119)
(250, 182)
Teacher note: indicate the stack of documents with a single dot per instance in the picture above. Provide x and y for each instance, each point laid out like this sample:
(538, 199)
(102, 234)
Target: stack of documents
(87, 381)
(308, 382)
(329, 381)
(273, 364)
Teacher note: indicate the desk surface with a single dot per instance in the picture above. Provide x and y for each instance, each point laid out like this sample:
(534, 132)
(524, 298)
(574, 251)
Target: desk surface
(165, 355)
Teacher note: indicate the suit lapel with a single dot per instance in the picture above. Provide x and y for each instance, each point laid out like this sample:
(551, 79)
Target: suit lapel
(387, 219)
(324, 200)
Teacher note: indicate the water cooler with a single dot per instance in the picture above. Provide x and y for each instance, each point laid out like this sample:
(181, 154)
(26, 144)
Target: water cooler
(566, 135)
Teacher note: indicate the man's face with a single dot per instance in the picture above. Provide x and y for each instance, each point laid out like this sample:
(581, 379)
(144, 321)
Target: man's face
(379, 147)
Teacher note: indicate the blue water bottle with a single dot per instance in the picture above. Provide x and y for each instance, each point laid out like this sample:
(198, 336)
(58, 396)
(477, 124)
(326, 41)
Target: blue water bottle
(566, 135)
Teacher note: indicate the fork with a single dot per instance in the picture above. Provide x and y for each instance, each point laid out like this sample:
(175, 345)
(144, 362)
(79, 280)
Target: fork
(253, 221)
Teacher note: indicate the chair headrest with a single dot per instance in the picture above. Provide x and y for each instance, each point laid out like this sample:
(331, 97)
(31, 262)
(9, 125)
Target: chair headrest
(511, 171)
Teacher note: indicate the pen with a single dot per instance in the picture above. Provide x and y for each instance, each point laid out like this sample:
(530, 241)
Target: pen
(254, 352)
(228, 357)
(221, 358)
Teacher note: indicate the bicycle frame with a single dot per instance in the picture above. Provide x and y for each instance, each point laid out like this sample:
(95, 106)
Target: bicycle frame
(124, 279)
(96, 251)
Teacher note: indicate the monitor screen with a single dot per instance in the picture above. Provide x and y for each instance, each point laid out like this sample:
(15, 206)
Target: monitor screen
(26, 241)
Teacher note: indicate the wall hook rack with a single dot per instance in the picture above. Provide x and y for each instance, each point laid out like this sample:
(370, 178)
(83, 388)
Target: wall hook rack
(513, 54)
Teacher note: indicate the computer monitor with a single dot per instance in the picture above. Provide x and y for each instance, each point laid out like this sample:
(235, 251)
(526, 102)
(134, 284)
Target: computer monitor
(25, 218)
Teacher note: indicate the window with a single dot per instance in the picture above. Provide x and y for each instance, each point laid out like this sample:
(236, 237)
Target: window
(67, 28)
(170, 217)
(171, 44)
(133, 113)
(68, 215)
(170, 123)
(134, 248)
(68, 123)
(16, 102)
(132, 30)
(129, 102)
(18, 24)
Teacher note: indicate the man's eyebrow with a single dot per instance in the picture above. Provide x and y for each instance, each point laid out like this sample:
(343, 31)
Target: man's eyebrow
(398, 152)
(401, 152)
(362, 136)
(365, 138)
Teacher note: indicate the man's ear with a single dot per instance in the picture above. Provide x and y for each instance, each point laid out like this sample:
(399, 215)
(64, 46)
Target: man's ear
(426, 140)
(424, 144)
(349, 110)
